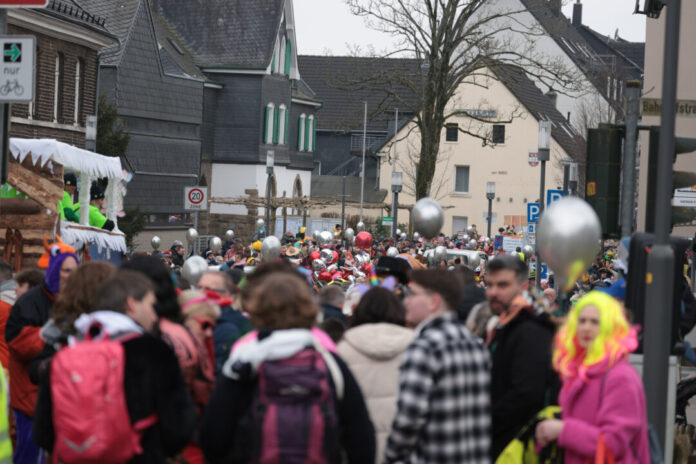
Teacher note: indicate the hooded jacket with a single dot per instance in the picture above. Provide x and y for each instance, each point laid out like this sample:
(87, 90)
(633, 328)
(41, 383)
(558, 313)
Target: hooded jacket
(152, 384)
(373, 353)
(611, 403)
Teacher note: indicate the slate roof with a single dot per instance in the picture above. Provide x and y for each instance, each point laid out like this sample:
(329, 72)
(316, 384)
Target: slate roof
(72, 11)
(119, 16)
(226, 33)
(628, 56)
(541, 107)
(177, 59)
(343, 83)
(325, 187)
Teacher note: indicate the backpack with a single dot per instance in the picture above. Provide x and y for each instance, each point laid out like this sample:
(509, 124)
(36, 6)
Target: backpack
(293, 414)
(90, 415)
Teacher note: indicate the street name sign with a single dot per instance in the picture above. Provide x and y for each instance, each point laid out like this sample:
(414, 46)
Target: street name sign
(533, 212)
(17, 68)
(387, 220)
(196, 198)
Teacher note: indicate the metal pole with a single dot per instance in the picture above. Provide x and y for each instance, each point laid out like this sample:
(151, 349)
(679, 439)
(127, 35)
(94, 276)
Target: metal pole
(195, 226)
(268, 204)
(395, 214)
(343, 204)
(660, 267)
(362, 175)
(628, 170)
(490, 216)
(4, 136)
(542, 188)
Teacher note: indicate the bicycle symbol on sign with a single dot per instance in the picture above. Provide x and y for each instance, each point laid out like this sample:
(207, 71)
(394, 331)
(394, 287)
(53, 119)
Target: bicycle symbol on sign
(11, 86)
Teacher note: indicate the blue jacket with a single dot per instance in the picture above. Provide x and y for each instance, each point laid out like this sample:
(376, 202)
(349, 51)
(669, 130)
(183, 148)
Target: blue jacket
(230, 327)
(332, 312)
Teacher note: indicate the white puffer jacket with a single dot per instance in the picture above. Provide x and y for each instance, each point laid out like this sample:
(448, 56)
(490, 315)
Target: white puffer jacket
(373, 353)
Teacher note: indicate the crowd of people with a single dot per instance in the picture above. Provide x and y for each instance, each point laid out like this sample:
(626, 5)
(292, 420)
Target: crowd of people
(332, 351)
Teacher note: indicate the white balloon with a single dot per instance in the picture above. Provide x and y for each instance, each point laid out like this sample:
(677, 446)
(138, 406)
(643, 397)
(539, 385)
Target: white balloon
(416, 236)
(398, 232)
(193, 269)
(260, 223)
(440, 253)
(215, 244)
(270, 248)
(155, 242)
(393, 252)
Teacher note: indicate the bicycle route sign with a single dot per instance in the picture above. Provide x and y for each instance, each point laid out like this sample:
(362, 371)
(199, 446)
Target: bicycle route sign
(196, 198)
(17, 68)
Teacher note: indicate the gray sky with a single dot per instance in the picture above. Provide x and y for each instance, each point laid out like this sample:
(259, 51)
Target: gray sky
(328, 27)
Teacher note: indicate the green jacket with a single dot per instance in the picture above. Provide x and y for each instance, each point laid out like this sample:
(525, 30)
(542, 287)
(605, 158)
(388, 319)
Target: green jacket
(65, 208)
(96, 218)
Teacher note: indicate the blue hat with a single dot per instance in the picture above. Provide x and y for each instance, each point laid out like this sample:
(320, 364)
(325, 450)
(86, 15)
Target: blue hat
(617, 289)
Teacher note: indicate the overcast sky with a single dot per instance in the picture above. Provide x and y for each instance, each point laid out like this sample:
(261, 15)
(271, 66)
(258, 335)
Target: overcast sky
(328, 27)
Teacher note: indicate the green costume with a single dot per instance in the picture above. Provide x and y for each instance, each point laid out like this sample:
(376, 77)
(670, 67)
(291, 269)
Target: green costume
(7, 191)
(65, 207)
(96, 218)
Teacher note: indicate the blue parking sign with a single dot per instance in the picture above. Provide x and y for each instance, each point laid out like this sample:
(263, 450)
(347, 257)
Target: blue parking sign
(533, 211)
(553, 195)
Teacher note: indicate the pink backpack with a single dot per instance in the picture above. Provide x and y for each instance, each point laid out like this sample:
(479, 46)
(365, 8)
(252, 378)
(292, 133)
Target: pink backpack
(90, 415)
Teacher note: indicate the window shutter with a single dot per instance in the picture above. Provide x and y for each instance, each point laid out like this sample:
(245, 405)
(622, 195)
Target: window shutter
(285, 132)
(288, 57)
(265, 126)
(306, 136)
(300, 132)
(314, 134)
(276, 125)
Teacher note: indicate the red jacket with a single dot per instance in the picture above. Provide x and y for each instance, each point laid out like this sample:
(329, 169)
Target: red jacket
(28, 315)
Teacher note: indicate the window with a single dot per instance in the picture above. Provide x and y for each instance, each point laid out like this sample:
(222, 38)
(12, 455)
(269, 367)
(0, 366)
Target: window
(309, 138)
(276, 125)
(76, 111)
(58, 88)
(268, 129)
(288, 57)
(452, 134)
(301, 133)
(282, 123)
(459, 224)
(461, 179)
(498, 133)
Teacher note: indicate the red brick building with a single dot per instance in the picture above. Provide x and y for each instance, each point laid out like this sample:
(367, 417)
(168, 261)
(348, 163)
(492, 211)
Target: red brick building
(68, 42)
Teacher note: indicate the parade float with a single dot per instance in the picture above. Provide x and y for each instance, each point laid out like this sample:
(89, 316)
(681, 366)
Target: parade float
(35, 172)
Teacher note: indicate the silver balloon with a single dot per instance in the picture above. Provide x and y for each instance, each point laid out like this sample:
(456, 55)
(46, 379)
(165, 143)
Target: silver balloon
(393, 252)
(260, 223)
(470, 230)
(568, 239)
(528, 251)
(333, 268)
(318, 265)
(487, 240)
(466, 238)
(473, 243)
(215, 244)
(315, 235)
(483, 238)
(360, 226)
(361, 259)
(440, 254)
(349, 234)
(403, 236)
(155, 242)
(325, 238)
(472, 259)
(336, 235)
(428, 217)
(416, 236)
(326, 255)
(229, 235)
(398, 232)
(270, 248)
(193, 269)
(191, 235)
(429, 255)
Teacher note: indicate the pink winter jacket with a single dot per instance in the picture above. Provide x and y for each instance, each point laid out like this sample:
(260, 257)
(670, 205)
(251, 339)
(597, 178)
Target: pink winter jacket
(615, 410)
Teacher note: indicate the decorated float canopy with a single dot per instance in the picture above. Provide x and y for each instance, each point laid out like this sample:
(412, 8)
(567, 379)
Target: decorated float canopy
(36, 169)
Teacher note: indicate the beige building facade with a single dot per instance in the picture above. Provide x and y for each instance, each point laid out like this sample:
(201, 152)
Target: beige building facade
(465, 165)
(686, 91)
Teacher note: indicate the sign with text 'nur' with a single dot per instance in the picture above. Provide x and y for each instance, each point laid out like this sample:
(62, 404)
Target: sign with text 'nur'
(17, 68)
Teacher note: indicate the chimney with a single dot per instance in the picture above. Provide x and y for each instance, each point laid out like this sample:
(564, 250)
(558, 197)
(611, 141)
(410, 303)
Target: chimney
(577, 14)
(555, 7)
(553, 96)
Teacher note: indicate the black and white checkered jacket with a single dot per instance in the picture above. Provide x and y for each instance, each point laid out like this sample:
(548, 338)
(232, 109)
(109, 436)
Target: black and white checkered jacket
(443, 410)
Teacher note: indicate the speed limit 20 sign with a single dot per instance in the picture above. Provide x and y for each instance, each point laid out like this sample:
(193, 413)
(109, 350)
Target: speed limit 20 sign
(196, 198)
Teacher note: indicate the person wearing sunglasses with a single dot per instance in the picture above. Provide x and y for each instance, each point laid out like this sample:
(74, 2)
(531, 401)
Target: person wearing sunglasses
(200, 310)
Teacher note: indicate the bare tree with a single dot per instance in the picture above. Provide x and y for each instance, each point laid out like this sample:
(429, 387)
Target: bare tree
(455, 43)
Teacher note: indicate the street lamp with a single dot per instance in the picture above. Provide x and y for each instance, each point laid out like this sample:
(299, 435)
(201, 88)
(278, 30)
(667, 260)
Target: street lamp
(543, 155)
(91, 132)
(397, 182)
(270, 160)
(490, 195)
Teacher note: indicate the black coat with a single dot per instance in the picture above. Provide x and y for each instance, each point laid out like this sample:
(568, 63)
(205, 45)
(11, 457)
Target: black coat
(153, 384)
(522, 379)
(471, 296)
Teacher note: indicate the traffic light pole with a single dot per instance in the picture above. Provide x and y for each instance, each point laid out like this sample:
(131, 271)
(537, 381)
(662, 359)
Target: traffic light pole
(660, 266)
(628, 170)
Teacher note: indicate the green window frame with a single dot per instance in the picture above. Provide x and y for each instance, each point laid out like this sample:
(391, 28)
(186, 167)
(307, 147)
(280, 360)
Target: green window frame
(306, 137)
(276, 125)
(314, 134)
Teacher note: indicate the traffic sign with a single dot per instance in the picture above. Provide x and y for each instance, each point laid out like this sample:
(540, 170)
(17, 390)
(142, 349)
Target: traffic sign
(531, 229)
(533, 159)
(17, 68)
(23, 3)
(387, 220)
(196, 198)
(553, 195)
(533, 212)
